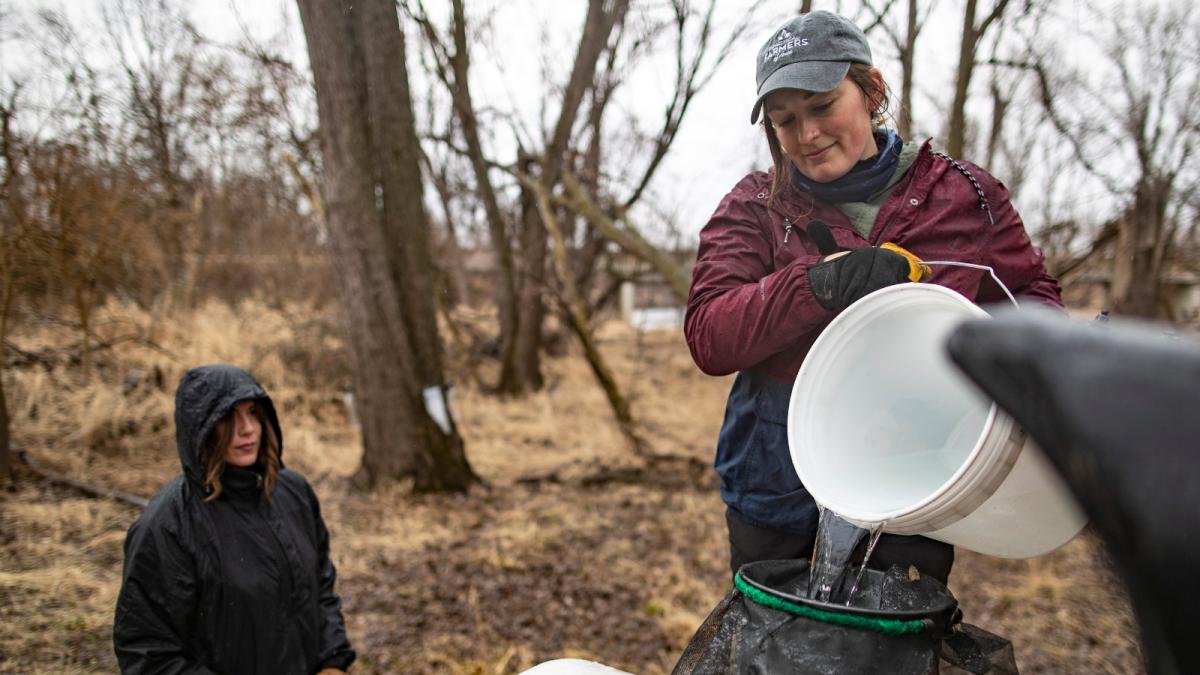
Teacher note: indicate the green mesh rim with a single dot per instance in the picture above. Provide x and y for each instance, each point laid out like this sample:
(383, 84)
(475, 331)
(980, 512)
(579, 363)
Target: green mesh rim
(885, 626)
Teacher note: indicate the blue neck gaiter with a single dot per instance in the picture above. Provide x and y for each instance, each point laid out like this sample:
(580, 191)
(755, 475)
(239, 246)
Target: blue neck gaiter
(864, 179)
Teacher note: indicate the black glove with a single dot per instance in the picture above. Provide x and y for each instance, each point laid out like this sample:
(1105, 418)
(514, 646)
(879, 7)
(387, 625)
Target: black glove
(839, 282)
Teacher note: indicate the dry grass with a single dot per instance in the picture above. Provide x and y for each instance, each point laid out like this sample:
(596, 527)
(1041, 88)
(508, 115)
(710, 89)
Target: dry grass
(489, 582)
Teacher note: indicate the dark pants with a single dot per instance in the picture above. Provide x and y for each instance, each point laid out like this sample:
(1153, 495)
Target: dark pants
(749, 543)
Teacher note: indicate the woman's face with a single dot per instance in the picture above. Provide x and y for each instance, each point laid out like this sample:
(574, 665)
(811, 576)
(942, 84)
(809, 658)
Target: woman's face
(823, 134)
(247, 432)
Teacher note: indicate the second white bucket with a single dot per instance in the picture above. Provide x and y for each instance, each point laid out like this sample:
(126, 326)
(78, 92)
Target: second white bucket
(884, 428)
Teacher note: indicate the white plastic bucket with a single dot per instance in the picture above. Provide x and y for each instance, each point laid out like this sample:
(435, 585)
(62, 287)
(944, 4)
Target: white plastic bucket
(882, 427)
(572, 667)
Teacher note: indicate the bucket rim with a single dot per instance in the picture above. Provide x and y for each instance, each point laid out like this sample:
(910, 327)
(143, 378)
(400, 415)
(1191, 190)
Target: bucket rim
(896, 621)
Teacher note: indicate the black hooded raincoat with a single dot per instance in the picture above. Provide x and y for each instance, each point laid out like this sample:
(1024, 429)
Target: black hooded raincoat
(241, 584)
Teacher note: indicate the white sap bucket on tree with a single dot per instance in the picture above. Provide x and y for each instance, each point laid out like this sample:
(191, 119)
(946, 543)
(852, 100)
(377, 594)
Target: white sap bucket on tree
(884, 428)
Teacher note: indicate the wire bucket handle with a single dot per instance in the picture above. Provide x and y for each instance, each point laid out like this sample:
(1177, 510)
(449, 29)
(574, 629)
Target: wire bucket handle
(989, 270)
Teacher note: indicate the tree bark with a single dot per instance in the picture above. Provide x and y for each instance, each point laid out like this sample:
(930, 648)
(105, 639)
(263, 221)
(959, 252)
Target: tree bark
(5, 441)
(912, 29)
(956, 136)
(971, 34)
(1000, 105)
(506, 285)
(527, 358)
(454, 273)
(598, 26)
(591, 245)
(906, 45)
(380, 234)
(1141, 248)
(12, 229)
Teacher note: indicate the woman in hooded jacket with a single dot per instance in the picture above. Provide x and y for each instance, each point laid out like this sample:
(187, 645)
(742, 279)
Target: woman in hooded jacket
(848, 207)
(228, 570)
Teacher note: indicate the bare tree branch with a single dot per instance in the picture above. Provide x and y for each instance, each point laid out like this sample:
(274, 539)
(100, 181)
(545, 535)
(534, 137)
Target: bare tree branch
(86, 488)
(690, 79)
(576, 314)
(996, 13)
(453, 70)
(1048, 101)
(627, 238)
(878, 21)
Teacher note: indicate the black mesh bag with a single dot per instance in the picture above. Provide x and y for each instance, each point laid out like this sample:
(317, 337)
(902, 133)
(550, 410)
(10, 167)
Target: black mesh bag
(767, 624)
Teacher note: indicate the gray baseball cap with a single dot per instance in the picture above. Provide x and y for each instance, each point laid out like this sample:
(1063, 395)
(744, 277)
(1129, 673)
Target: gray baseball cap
(812, 52)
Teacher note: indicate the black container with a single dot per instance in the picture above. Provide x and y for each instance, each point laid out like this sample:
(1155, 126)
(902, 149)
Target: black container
(894, 624)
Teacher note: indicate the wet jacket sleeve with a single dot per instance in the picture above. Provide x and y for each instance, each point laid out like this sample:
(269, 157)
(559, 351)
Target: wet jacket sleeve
(741, 309)
(1016, 260)
(158, 594)
(334, 650)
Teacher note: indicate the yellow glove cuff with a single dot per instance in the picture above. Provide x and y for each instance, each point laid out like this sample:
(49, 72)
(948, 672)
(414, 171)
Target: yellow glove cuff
(917, 270)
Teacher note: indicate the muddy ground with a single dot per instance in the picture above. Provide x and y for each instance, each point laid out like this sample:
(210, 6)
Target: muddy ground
(571, 547)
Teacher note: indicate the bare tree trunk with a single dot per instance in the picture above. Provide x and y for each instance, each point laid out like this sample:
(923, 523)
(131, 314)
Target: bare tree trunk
(84, 310)
(592, 247)
(971, 34)
(906, 45)
(528, 347)
(956, 136)
(380, 234)
(506, 284)
(11, 229)
(1141, 243)
(453, 271)
(598, 26)
(73, 274)
(6, 296)
(912, 29)
(5, 441)
(999, 111)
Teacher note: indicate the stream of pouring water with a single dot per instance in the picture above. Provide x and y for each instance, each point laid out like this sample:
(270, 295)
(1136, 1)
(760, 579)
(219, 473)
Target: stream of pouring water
(836, 541)
(872, 539)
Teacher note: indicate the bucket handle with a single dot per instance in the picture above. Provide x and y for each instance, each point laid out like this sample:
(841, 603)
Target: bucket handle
(989, 270)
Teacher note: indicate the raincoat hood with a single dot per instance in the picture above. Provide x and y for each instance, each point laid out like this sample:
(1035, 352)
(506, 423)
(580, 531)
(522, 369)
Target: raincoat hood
(204, 396)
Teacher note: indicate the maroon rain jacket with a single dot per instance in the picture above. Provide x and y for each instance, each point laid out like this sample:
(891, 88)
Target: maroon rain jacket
(751, 309)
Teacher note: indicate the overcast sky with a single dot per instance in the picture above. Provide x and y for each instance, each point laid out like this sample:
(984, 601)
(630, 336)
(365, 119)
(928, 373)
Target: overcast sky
(716, 146)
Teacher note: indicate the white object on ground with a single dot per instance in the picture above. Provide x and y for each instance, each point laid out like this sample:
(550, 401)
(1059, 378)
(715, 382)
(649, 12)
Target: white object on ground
(573, 667)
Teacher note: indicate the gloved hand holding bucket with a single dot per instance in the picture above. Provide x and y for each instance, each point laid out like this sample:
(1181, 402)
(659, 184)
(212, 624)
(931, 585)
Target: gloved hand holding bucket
(845, 275)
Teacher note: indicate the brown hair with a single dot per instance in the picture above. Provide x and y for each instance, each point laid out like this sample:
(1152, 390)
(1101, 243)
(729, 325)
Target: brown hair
(878, 95)
(212, 455)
